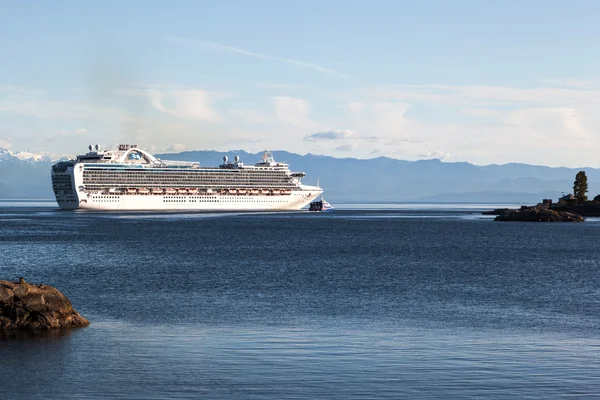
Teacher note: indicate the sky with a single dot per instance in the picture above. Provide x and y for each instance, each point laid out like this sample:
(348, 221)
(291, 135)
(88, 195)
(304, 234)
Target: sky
(478, 81)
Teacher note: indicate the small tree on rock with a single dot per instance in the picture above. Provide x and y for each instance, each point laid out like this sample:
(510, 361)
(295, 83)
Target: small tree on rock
(580, 187)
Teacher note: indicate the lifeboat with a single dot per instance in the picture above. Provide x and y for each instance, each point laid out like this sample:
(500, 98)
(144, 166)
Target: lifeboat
(242, 191)
(232, 191)
(254, 191)
(182, 191)
(131, 191)
(193, 191)
(210, 191)
(171, 191)
(275, 191)
(265, 191)
(143, 191)
(287, 192)
(157, 191)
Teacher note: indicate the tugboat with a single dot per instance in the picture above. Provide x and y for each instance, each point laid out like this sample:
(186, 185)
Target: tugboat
(320, 205)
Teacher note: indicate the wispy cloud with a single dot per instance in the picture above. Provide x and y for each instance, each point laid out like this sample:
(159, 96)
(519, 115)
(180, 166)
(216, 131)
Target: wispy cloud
(577, 83)
(435, 155)
(187, 104)
(5, 144)
(293, 111)
(328, 135)
(226, 49)
(190, 104)
(483, 95)
(279, 86)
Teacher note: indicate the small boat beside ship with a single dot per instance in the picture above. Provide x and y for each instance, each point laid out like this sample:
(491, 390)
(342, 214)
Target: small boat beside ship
(320, 205)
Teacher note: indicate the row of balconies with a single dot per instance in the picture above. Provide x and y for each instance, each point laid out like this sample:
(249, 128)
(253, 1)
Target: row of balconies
(186, 181)
(186, 172)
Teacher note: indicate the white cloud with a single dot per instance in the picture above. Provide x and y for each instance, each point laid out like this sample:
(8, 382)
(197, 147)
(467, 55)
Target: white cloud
(432, 155)
(557, 122)
(383, 120)
(539, 122)
(5, 144)
(483, 95)
(480, 124)
(356, 107)
(187, 104)
(281, 86)
(481, 112)
(292, 111)
(578, 83)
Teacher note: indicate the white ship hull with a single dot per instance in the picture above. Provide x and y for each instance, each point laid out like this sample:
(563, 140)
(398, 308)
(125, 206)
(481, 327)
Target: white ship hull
(131, 179)
(295, 201)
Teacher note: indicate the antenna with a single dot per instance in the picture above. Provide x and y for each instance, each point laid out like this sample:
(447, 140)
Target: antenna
(318, 185)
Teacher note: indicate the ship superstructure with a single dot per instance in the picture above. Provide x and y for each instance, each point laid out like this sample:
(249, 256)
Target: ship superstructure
(129, 178)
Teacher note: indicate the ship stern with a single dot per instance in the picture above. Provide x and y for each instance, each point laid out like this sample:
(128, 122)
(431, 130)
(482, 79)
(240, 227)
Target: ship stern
(63, 185)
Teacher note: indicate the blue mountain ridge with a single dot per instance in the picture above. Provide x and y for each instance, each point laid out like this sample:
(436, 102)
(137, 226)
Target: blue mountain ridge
(352, 180)
(385, 179)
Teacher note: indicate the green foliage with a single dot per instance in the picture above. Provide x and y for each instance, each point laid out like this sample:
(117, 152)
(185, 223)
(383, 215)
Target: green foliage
(580, 186)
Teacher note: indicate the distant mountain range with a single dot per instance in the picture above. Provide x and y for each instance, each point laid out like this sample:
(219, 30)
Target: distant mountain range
(24, 175)
(352, 180)
(385, 179)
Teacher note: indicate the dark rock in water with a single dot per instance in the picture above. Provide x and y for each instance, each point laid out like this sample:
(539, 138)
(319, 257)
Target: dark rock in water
(25, 306)
(538, 214)
(497, 211)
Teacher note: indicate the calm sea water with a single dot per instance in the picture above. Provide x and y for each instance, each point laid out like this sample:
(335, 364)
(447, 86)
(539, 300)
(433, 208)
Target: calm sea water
(378, 302)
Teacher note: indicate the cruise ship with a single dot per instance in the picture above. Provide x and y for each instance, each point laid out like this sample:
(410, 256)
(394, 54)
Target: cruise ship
(129, 178)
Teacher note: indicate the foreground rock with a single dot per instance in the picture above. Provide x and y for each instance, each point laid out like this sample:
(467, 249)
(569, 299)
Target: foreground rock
(25, 306)
(538, 214)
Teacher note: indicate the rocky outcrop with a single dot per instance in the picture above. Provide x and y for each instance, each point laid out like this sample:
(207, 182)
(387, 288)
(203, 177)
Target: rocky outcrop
(26, 306)
(497, 211)
(538, 214)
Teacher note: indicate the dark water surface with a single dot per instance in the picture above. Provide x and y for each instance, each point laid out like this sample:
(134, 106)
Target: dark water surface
(380, 303)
